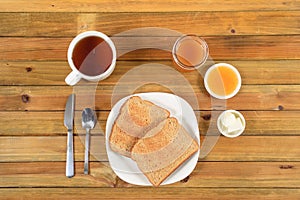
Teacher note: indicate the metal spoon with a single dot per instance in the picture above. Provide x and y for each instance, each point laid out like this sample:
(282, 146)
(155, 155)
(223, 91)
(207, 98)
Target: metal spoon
(89, 120)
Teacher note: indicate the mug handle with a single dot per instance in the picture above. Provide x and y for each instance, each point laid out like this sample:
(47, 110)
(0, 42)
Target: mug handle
(72, 78)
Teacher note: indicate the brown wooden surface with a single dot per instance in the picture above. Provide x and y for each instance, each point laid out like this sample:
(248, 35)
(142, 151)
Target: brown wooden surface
(261, 38)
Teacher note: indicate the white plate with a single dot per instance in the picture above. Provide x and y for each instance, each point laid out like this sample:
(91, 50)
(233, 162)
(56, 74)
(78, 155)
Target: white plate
(125, 168)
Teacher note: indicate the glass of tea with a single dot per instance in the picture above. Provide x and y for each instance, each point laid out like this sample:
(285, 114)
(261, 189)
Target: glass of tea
(190, 52)
(222, 81)
(91, 56)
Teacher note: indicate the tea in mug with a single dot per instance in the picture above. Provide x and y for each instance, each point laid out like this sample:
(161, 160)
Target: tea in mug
(92, 56)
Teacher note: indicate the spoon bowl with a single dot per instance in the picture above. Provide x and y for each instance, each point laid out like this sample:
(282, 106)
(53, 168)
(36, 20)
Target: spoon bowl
(89, 118)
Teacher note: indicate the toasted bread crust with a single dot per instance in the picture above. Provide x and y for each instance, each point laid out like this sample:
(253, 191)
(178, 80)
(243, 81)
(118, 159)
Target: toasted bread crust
(135, 119)
(158, 143)
(139, 111)
(163, 149)
(157, 177)
(121, 142)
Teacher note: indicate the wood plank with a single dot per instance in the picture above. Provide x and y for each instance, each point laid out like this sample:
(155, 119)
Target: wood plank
(52, 174)
(258, 97)
(239, 174)
(151, 193)
(220, 23)
(49, 148)
(205, 175)
(263, 163)
(269, 71)
(244, 148)
(258, 148)
(221, 47)
(54, 73)
(34, 73)
(143, 6)
(262, 123)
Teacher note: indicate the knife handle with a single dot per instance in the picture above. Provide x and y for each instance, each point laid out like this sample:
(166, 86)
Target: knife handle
(70, 157)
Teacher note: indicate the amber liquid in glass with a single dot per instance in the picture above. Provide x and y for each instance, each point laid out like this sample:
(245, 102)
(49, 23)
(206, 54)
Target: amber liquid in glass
(190, 53)
(92, 56)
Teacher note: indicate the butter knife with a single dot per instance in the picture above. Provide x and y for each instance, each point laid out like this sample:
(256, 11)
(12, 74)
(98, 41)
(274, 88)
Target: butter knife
(68, 121)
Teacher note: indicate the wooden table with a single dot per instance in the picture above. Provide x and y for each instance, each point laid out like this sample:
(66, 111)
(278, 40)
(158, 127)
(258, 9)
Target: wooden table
(261, 38)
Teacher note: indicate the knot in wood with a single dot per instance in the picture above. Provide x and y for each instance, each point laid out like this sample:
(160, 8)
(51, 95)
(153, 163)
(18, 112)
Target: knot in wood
(206, 117)
(186, 179)
(25, 98)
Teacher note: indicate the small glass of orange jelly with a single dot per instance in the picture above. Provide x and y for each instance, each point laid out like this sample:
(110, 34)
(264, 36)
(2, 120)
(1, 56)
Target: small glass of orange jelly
(190, 52)
(222, 81)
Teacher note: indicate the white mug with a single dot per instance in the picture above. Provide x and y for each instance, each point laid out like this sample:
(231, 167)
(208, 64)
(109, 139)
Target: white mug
(75, 76)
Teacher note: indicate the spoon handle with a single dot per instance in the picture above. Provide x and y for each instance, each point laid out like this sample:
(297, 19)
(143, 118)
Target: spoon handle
(86, 153)
(70, 157)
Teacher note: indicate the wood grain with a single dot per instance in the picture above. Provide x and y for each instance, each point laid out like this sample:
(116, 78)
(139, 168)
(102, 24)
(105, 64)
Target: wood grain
(221, 47)
(261, 38)
(245, 148)
(144, 6)
(48, 148)
(240, 175)
(204, 24)
(151, 193)
(260, 123)
(34, 98)
(205, 175)
(53, 73)
(52, 174)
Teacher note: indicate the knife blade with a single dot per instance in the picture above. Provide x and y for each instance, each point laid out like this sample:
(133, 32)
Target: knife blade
(68, 121)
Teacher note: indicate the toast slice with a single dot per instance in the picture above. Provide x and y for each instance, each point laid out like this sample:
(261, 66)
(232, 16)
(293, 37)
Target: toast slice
(136, 118)
(163, 149)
